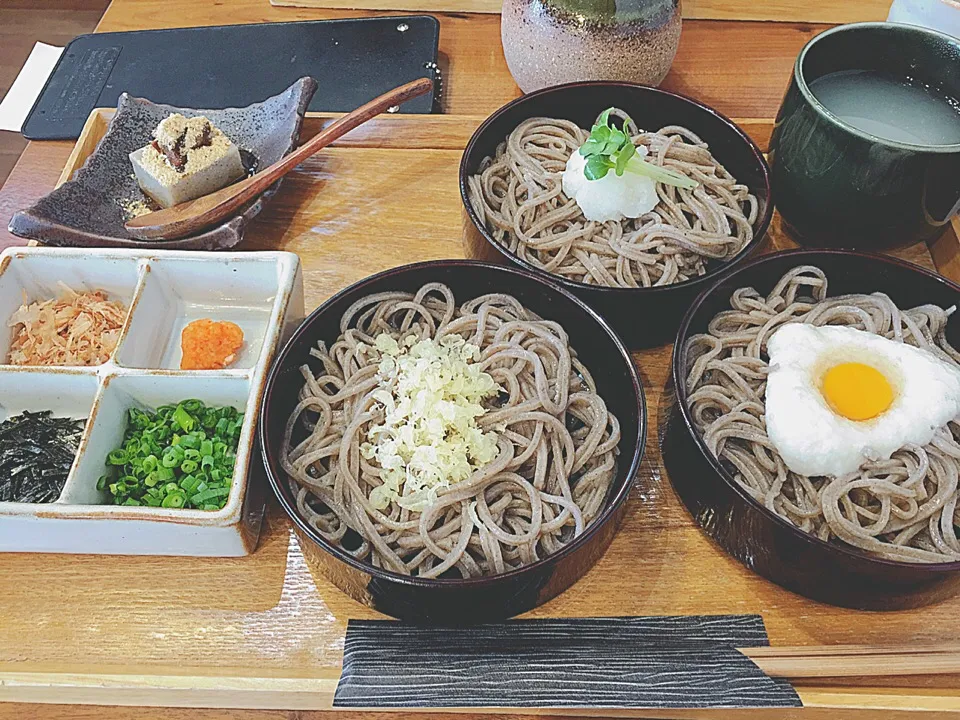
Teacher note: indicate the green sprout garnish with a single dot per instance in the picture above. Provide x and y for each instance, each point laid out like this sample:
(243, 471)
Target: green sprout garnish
(610, 148)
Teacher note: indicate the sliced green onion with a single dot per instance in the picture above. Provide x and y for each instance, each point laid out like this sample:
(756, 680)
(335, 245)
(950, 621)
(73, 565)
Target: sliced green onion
(174, 500)
(202, 497)
(182, 455)
(184, 419)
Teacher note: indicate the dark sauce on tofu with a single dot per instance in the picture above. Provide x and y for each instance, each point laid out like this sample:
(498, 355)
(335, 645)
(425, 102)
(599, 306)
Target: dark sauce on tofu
(250, 162)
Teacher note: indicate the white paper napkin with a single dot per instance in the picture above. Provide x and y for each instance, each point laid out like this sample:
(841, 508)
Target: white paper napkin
(23, 93)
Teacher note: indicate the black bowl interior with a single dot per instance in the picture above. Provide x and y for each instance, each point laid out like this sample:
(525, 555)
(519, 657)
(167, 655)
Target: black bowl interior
(651, 108)
(847, 272)
(598, 347)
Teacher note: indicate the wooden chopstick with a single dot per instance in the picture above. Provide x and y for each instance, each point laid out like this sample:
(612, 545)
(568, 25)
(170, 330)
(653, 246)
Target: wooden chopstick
(825, 661)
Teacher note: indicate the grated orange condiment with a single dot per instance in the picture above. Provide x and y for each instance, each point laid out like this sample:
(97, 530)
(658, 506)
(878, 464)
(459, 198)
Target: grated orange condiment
(79, 328)
(209, 345)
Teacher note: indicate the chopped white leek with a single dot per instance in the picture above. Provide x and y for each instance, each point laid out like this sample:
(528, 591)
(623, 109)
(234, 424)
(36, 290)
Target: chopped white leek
(431, 395)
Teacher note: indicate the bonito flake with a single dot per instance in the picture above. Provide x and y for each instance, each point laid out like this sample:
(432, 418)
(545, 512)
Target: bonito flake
(78, 328)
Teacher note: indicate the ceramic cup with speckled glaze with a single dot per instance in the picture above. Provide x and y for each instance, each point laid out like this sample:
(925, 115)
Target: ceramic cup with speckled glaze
(550, 42)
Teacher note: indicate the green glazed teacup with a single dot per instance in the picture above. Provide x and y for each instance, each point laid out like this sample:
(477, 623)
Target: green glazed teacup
(838, 186)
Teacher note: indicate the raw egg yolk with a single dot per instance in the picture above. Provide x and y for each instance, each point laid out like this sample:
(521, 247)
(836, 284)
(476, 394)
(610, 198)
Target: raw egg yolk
(857, 391)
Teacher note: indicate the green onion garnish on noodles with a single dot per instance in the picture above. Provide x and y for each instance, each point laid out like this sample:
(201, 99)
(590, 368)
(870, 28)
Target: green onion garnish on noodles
(181, 456)
(610, 148)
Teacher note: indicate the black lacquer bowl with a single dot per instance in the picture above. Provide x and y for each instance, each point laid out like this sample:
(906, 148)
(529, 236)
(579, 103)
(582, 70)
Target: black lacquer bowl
(761, 540)
(459, 601)
(644, 317)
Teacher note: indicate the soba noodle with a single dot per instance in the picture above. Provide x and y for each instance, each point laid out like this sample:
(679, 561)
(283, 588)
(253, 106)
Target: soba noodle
(518, 195)
(904, 508)
(556, 441)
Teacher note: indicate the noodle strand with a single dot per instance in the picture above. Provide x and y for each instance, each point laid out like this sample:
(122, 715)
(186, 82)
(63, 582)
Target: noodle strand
(518, 195)
(904, 508)
(557, 443)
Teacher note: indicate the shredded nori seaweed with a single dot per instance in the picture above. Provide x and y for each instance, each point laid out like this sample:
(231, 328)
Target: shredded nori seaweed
(36, 452)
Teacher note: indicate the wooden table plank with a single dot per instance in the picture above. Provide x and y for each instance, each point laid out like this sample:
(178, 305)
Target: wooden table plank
(747, 83)
(818, 11)
(349, 212)
(18, 711)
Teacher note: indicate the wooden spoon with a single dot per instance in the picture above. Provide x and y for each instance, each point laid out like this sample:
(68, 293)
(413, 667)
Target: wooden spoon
(192, 217)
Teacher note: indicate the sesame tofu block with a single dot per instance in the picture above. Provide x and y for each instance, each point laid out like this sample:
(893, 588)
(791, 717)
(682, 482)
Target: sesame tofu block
(189, 158)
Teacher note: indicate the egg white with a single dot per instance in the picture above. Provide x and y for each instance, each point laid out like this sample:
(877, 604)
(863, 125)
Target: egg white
(812, 438)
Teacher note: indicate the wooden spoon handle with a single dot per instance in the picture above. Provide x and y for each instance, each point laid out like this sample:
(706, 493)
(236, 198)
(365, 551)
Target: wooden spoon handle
(191, 217)
(343, 125)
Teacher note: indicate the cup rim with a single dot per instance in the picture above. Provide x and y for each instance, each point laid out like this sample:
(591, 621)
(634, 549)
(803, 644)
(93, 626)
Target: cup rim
(829, 115)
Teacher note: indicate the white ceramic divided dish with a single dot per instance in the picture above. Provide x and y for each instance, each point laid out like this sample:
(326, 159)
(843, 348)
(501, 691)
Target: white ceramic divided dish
(260, 291)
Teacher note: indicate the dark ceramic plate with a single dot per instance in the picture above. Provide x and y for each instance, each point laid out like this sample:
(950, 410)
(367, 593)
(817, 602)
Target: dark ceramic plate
(476, 599)
(644, 317)
(89, 210)
(760, 539)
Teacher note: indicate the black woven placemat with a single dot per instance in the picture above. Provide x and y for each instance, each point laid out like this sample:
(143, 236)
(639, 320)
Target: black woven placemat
(652, 662)
(354, 60)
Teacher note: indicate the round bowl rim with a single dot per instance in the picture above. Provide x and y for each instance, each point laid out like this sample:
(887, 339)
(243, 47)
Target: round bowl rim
(613, 504)
(760, 229)
(888, 28)
(678, 374)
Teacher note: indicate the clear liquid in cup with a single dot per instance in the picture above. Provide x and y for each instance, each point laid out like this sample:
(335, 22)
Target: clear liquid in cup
(890, 107)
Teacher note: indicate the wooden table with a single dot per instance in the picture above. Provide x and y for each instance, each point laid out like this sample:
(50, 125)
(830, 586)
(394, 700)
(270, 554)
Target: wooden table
(262, 632)
(747, 83)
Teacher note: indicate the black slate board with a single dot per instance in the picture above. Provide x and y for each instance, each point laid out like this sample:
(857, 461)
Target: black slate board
(236, 65)
(637, 662)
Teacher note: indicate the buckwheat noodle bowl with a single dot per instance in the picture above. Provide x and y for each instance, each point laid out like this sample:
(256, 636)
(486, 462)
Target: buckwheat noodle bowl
(904, 508)
(435, 434)
(640, 271)
(541, 487)
(520, 197)
(883, 536)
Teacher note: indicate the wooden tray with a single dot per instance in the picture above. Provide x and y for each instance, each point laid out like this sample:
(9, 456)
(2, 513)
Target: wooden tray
(263, 632)
(809, 11)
